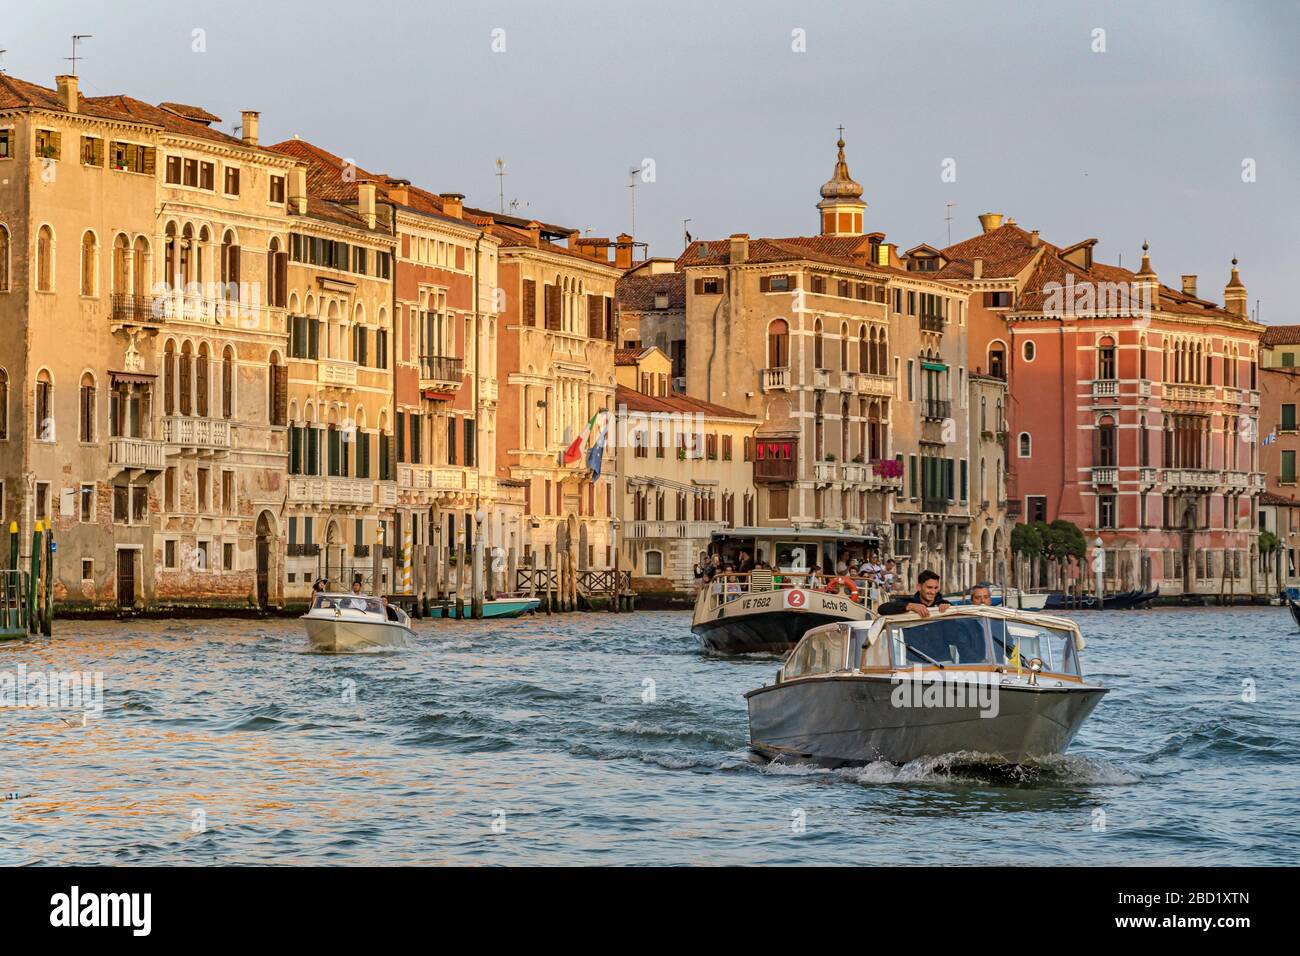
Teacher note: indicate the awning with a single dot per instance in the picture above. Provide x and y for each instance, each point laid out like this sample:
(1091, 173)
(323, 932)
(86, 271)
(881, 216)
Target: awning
(131, 378)
(796, 534)
(935, 366)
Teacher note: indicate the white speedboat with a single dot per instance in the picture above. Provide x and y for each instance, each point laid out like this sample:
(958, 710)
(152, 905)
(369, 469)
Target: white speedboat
(1010, 598)
(979, 680)
(356, 622)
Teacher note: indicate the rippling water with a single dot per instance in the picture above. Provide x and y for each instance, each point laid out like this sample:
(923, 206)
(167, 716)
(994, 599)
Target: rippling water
(537, 741)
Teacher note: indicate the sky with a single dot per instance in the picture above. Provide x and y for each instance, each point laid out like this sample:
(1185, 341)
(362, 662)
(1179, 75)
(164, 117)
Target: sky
(1177, 123)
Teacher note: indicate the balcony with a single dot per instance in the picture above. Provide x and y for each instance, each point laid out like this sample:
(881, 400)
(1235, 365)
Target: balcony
(1105, 475)
(1251, 396)
(776, 469)
(776, 379)
(441, 372)
(824, 471)
(1236, 480)
(337, 373)
(137, 455)
(1147, 477)
(134, 310)
(1189, 393)
(355, 492)
(1191, 479)
(856, 474)
(386, 493)
(868, 384)
(821, 378)
(677, 530)
(935, 409)
(1144, 389)
(931, 322)
(847, 381)
(488, 390)
(207, 435)
(1105, 389)
(1257, 480)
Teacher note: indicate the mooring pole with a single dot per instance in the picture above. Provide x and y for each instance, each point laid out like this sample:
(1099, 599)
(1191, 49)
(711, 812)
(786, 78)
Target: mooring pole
(35, 577)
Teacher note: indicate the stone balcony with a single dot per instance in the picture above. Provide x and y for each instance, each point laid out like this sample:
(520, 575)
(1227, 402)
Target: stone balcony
(1147, 477)
(867, 384)
(346, 492)
(1105, 475)
(1191, 479)
(1184, 392)
(337, 373)
(1106, 388)
(824, 471)
(140, 456)
(821, 378)
(442, 373)
(776, 379)
(202, 435)
(673, 530)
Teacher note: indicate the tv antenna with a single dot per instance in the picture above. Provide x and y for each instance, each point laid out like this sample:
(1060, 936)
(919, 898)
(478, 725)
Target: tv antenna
(686, 233)
(948, 218)
(632, 186)
(501, 184)
(77, 38)
(3, 51)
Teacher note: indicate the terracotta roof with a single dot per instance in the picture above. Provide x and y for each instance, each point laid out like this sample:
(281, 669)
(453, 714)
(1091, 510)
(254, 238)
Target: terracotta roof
(170, 122)
(196, 113)
(1280, 335)
(16, 94)
(627, 356)
(679, 404)
(1268, 498)
(637, 293)
(841, 251)
(1005, 251)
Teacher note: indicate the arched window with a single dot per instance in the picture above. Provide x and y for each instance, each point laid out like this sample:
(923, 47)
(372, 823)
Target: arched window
(140, 267)
(45, 260)
(229, 267)
(186, 378)
(278, 390)
(4, 405)
(844, 347)
(86, 419)
(997, 360)
(187, 257)
(1106, 359)
(90, 259)
(778, 344)
(984, 413)
(169, 378)
(654, 562)
(121, 265)
(818, 346)
(882, 353)
(44, 407)
(275, 289)
(201, 382)
(866, 351)
(4, 259)
(1106, 449)
(227, 382)
(1026, 445)
(1144, 451)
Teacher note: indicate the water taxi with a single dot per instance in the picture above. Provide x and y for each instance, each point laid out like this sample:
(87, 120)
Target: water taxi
(355, 622)
(979, 680)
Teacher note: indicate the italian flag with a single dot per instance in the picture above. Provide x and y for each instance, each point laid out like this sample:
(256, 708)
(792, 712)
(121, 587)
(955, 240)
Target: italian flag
(589, 437)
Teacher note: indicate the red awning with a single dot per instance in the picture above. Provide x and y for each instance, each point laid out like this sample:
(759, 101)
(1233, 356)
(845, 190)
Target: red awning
(131, 378)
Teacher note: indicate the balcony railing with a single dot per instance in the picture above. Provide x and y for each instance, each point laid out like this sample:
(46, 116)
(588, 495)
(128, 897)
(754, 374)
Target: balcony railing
(1252, 396)
(1105, 388)
(1105, 475)
(1146, 477)
(640, 530)
(340, 373)
(824, 471)
(856, 474)
(1189, 393)
(386, 493)
(333, 491)
(135, 309)
(203, 433)
(821, 378)
(776, 469)
(1144, 389)
(145, 454)
(443, 369)
(1193, 478)
(935, 409)
(869, 384)
(1236, 480)
(931, 322)
(776, 379)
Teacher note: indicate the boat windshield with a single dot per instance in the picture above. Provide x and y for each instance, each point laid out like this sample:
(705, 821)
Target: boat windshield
(1052, 645)
(819, 653)
(956, 640)
(348, 602)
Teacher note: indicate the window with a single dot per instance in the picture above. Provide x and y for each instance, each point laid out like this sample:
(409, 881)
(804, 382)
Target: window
(232, 181)
(1106, 511)
(45, 260)
(1025, 445)
(42, 500)
(778, 344)
(44, 407)
(208, 176)
(4, 259)
(169, 554)
(1288, 418)
(997, 300)
(1029, 351)
(228, 557)
(654, 563)
(47, 144)
(711, 285)
(954, 641)
(191, 176)
(86, 418)
(87, 569)
(1288, 468)
(172, 171)
(227, 492)
(87, 502)
(89, 260)
(92, 151)
(139, 504)
(6, 144)
(132, 158)
(1035, 508)
(778, 503)
(1106, 359)
(276, 193)
(121, 503)
(204, 500)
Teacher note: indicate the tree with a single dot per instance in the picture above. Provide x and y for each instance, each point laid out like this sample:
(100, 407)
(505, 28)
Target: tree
(1268, 545)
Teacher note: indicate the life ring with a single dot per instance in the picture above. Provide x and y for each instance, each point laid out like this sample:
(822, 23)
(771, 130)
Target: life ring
(832, 586)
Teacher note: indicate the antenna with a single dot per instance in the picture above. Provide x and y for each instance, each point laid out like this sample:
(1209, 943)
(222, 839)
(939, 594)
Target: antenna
(501, 184)
(632, 186)
(77, 38)
(949, 220)
(686, 233)
(3, 51)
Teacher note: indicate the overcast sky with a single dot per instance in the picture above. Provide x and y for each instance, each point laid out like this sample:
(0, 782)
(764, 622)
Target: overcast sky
(1144, 140)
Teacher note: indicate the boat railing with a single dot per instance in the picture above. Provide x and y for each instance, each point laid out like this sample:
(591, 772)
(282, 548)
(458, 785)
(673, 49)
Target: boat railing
(728, 586)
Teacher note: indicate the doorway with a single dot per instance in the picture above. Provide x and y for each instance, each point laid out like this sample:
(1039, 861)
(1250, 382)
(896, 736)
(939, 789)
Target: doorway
(125, 578)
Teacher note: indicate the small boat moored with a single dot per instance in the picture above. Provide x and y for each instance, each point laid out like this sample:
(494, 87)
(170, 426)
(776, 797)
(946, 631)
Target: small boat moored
(355, 622)
(504, 607)
(980, 680)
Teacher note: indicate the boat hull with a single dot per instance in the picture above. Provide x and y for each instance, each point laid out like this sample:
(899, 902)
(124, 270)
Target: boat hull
(770, 622)
(854, 720)
(505, 607)
(340, 635)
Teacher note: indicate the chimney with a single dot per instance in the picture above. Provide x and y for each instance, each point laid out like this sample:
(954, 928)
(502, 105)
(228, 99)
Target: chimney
(571, 241)
(1189, 286)
(250, 126)
(453, 204)
(366, 203)
(990, 221)
(977, 268)
(1033, 239)
(535, 233)
(623, 251)
(298, 190)
(68, 92)
(739, 247)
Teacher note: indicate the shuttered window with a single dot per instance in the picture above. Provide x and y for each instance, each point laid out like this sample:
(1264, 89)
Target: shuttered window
(528, 308)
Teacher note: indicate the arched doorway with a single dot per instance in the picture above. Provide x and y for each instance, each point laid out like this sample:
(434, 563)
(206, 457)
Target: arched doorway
(1188, 526)
(265, 534)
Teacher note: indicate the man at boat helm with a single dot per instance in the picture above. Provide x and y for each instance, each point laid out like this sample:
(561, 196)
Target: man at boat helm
(926, 599)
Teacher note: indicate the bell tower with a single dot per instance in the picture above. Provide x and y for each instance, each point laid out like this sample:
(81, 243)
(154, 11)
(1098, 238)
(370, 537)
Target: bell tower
(841, 209)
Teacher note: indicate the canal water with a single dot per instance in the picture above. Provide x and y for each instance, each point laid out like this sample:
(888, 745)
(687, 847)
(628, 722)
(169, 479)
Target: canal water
(600, 738)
